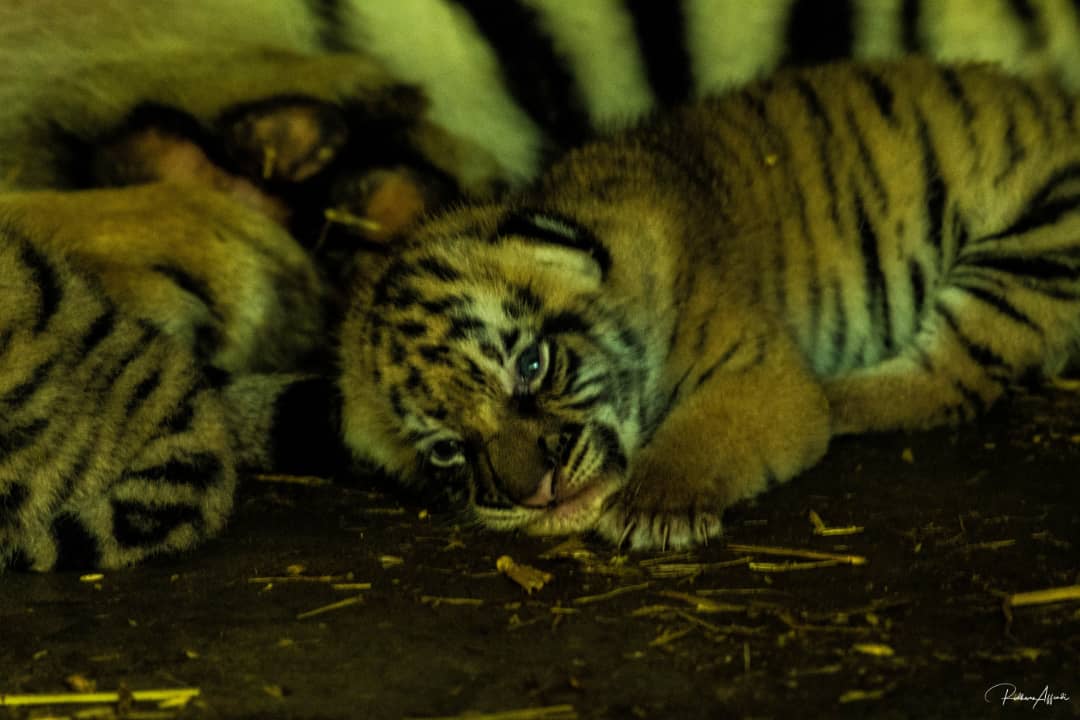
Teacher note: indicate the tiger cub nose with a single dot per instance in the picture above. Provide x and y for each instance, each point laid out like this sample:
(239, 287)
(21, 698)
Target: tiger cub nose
(545, 492)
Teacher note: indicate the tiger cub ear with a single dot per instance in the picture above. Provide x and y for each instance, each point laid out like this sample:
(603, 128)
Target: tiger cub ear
(552, 240)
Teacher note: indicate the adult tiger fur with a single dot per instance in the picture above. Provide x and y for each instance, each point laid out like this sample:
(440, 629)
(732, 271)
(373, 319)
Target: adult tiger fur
(521, 79)
(683, 315)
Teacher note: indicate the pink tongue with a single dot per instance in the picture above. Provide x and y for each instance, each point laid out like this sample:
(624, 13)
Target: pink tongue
(545, 492)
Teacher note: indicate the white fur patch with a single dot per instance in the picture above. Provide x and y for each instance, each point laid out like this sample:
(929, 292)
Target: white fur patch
(733, 41)
(597, 37)
(435, 44)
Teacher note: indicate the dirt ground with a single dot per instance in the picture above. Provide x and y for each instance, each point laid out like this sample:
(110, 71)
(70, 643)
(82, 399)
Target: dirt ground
(947, 524)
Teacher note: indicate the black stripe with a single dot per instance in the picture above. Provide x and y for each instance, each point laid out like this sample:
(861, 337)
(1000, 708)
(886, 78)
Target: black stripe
(76, 548)
(660, 28)
(17, 438)
(981, 354)
(999, 303)
(48, 284)
(1039, 217)
(972, 398)
(867, 159)
(396, 403)
(509, 339)
(821, 139)
(411, 329)
(199, 470)
(1015, 152)
(917, 282)
(954, 86)
(1039, 112)
(439, 269)
(882, 94)
(614, 456)
(877, 290)
(1034, 36)
(1041, 211)
(100, 329)
(720, 362)
(182, 414)
(564, 323)
(1037, 268)
(436, 354)
(462, 326)
(138, 525)
(392, 281)
(11, 501)
(555, 229)
(442, 305)
(19, 395)
(935, 194)
(189, 284)
(142, 392)
(840, 325)
(523, 302)
(535, 73)
(910, 19)
(333, 30)
(814, 104)
(819, 30)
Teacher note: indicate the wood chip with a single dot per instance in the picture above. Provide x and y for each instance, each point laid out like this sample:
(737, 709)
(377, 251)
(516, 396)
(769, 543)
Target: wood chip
(331, 607)
(299, 579)
(824, 530)
(861, 696)
(528, 577)
(307, 480)
(549, 712)
(171, 695)
(435, 601)
(1044, 597)
(874, 649)
(346, 218)
(799, 553)
(587, 599)
(703, 604)
(771, 567)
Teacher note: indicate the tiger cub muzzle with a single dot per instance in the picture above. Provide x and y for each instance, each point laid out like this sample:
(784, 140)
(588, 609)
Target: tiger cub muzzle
(523, 460)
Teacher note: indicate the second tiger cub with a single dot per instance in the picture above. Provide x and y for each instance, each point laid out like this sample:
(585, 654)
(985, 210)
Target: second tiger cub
(680, 316)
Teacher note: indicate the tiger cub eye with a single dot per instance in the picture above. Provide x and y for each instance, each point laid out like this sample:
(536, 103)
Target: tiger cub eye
(531, 363)
(445, 452)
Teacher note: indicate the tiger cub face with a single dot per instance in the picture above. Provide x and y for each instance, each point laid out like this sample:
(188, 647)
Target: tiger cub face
(480, 363)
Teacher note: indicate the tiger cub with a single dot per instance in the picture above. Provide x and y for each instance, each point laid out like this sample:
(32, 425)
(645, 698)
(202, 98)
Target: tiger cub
(682, 315)
(122, 315)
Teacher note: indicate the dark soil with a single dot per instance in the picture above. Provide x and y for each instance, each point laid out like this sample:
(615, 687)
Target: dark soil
(953, 521)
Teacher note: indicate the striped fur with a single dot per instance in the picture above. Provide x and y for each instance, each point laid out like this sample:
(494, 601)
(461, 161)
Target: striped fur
(510, 84)
(683, 315)
(521, 79)
(118, 440)
(114, 445)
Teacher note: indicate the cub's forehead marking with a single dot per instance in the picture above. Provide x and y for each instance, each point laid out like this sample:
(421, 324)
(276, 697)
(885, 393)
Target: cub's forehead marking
(554, 229)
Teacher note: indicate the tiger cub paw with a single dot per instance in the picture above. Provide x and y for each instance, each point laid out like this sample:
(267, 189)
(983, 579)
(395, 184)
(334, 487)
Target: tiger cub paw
(307, 164)
(289, 140)
(662, 516)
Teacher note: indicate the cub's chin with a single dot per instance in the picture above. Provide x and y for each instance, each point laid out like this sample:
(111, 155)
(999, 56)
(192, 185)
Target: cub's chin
(577, 513)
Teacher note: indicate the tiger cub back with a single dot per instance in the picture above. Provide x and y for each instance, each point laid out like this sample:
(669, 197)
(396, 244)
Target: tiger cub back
(682, 315)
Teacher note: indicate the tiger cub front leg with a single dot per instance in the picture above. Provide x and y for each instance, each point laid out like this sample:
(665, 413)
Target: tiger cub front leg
(744, 417)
